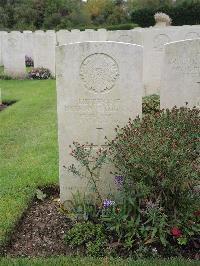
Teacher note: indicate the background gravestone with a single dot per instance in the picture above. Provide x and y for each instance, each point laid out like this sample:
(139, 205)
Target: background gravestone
(44, 50)
(127, 36)
(28, 43)
(181, 74)
(63, 37)
(99, 85)
(14, 55)
(3, 35)
(154, 40)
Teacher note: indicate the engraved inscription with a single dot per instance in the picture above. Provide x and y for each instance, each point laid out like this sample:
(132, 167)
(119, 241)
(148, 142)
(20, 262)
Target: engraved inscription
(159, 41)
(99, 73)
(186, 65)
(94, 107)
(192, 35)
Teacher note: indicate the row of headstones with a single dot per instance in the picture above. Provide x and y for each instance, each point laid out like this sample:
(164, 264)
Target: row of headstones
(99, 86)
(40, 46)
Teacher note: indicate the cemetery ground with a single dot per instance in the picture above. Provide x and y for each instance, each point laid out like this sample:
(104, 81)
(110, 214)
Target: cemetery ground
(29, 160)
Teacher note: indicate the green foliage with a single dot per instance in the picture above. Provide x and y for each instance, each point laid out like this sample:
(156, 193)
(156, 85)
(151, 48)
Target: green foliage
(5, 77)
(185, 13)
(68, 14)
(31, 125)
(89, 235)
(157, 177)
(127, 26)
(168, 150)
(40, 195)
(91, 163)
(151, 104)
(82, 208)
(91, 261)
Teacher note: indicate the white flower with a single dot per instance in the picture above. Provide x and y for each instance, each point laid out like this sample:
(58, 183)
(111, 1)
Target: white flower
(162, 17)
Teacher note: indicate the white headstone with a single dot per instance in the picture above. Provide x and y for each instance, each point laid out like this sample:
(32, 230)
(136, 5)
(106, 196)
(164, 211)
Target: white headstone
(2, 39)
(88, 35)
(14, 56)
(181, 74)
(75, 36)
(102, 34)
(63, 37)
(98, 87)
(127, 36)
(44, 50)
(154, 40)
(28, 43)
(190, 32)
(93, 35)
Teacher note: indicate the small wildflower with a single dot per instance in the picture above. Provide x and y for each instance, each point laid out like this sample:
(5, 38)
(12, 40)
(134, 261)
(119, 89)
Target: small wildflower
(197, 213)
(176, 232)
(154, 250)
(119, 181)
(107, 203)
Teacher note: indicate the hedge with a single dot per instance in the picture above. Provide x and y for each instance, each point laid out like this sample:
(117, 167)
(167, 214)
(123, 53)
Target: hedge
(181, 14)
(125, 26)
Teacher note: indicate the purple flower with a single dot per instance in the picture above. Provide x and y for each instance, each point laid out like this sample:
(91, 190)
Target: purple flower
(119, 181)
(107, 203)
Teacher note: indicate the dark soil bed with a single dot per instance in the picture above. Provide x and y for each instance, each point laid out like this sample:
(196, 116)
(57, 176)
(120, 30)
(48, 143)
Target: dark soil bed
(41, 231)
(4, 105)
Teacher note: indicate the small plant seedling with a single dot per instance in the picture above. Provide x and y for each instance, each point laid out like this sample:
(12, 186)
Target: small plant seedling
(40, 195)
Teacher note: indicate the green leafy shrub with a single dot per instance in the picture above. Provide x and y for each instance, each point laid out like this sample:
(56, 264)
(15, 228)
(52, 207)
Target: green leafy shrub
(185, 13)
(83, 208)
(127, 26)
(39, 73)
(156, 203)
(154, 152)
(88, 235)
(5, 77)
(151, 104)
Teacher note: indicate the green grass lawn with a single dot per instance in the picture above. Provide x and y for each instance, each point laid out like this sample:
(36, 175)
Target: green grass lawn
(29, 159)
(70, 261)
(28, 147)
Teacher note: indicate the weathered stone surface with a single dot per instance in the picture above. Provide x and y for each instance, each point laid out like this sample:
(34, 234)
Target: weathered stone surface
(66, 37)
(63, 37)
(3, 35)
(44, 50)
(127, 36)
(98, 87)
(28, 43)
(181, 74)
(92, 35)
(154, 40)
(14, 56)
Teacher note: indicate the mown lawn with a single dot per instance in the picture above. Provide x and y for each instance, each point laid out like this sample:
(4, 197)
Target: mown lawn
(28, 146)
(29, 159)
(70, 261)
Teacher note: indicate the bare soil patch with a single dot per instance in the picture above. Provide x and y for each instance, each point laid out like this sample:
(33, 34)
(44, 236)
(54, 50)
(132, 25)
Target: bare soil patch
(41, 230)
(4, 105)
